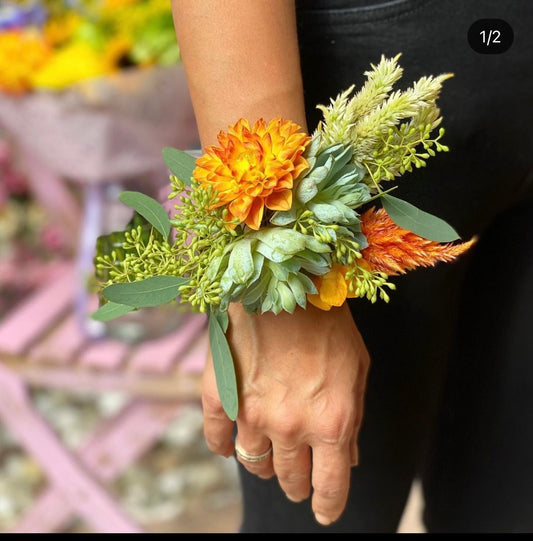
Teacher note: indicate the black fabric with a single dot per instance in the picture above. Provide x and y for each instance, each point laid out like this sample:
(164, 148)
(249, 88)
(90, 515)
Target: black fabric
(450, 390)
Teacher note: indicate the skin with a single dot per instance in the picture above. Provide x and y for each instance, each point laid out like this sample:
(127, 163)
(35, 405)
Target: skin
(301, 377)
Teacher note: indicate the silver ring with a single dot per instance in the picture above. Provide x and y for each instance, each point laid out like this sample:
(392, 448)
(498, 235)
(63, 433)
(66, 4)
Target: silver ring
(241, 453)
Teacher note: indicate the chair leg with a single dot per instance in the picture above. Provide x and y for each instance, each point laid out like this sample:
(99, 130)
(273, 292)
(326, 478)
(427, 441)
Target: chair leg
(88, 497)
(111, 449)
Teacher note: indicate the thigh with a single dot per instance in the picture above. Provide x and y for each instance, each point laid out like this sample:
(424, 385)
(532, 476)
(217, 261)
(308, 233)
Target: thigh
(480, 472)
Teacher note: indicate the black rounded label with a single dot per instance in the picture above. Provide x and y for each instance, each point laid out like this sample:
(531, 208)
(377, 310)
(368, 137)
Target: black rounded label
(490, 36)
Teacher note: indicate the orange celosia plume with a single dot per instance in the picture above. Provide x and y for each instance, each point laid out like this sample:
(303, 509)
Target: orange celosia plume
(254, 167)
(394, 250)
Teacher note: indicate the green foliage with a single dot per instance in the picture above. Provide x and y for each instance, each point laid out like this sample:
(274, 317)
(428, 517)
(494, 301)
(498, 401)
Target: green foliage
(419, 222)
(111, 310)
(152, 211)
(137, 253)
(152, 291)
(368, 284)
(385, 127)
(224, 369)
(180, 164)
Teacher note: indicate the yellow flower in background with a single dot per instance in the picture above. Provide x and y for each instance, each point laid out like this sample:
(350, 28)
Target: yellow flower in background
(59, 30)
(116, 49)
(21, 54)
(72, 64)
(254, 167)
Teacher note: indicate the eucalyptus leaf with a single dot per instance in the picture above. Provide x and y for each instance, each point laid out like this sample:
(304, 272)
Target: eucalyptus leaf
(149, 209)
(179, 163)
(419, 222)
(152, 291)
(111, 310)
(224, 369)
(222, 318)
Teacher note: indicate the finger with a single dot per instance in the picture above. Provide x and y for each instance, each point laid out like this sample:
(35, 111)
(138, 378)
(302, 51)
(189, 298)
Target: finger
(359, 411)
(331, 482)
(253, 444)
(218, 427)
(292, 465)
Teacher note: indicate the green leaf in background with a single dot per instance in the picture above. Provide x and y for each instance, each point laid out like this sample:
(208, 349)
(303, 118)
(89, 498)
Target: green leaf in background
(152, 291)
(179, 163)
(149, 209)
(419, 222)
(111, 310)
(224, 369)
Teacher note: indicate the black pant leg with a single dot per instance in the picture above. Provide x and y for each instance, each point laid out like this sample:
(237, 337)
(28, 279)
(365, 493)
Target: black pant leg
(479, 477)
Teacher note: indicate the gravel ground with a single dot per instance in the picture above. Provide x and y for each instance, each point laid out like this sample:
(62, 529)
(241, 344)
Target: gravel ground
(179, 485)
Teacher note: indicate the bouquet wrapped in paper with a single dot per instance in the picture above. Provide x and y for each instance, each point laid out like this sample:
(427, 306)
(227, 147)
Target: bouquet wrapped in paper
(275, 218)
(93, 89)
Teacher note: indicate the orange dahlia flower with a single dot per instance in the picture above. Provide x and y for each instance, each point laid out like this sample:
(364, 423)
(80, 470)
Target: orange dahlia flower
(254, 167)
(394, 250)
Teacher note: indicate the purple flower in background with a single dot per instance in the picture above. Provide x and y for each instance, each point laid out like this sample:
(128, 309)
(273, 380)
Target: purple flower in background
(17, 16)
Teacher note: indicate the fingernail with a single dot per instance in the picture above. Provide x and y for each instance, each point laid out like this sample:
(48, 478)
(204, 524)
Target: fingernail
(295, 500)
(325, 521)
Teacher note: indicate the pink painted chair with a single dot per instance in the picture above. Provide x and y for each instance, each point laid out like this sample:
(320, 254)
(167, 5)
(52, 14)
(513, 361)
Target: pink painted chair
(48, 341)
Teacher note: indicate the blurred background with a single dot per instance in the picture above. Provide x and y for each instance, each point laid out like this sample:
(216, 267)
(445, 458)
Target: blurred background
(90, 93)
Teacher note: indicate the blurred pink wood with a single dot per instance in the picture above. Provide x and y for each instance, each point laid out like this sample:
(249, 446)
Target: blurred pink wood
(42, 343)
(78, 488)
(33, 316)
(61, 346)
(54, 195)
(158, 356)
(107, 454)
(194, 359)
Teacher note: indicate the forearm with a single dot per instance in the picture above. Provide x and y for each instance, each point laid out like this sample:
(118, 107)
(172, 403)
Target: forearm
(241, 60)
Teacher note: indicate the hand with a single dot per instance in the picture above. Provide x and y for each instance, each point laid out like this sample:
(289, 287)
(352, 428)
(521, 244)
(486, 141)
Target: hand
(301, 380)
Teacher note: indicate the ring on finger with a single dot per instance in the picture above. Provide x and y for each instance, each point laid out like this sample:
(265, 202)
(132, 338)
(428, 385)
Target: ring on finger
(247, 457)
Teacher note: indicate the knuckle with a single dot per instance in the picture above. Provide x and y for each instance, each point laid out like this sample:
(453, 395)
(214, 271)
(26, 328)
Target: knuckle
(336, 429)
(288, 428)
(212, 405)
(216, 445)
(253, 416)
(329, 493)
(291, 477)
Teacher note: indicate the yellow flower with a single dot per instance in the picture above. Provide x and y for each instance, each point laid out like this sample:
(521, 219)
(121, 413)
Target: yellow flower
(116, 48)
(73, 63)
(21, 53)
(332, 288)
(254, 167)
(59, 30)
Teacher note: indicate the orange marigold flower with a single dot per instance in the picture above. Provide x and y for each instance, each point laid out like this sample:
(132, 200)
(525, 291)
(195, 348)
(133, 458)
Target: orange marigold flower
(254, 167)
(21, 54)
(394, 250)
(332, 288)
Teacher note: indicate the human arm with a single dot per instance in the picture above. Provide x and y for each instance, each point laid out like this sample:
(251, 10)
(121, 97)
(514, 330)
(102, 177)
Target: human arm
(300, 376)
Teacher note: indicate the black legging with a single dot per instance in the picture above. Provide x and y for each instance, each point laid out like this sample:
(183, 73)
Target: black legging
(450, 390)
